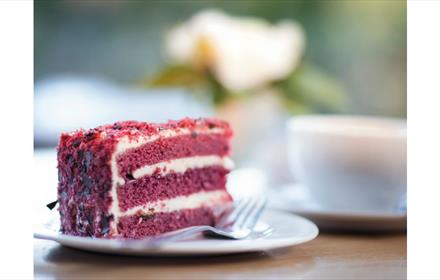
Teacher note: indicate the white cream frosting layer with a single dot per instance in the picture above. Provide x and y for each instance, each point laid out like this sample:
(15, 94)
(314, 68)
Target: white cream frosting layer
(192, 201)
(180, 165)
(127, 143)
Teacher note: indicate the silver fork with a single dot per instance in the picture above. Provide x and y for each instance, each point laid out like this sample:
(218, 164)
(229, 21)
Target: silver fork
(236, 224)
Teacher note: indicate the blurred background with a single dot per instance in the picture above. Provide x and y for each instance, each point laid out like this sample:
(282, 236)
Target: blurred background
(102, 61)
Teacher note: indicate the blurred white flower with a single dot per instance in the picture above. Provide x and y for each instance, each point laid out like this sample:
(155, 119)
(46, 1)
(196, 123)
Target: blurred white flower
(242, 53)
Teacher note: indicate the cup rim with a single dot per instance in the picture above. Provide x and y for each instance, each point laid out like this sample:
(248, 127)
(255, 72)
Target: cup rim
(349, 125)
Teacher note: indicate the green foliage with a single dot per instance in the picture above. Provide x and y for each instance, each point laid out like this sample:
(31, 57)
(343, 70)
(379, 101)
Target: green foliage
(177, 76)
(306, 90)
(196, 81)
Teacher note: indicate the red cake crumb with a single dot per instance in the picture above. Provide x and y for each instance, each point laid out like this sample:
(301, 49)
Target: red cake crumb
(86, 180)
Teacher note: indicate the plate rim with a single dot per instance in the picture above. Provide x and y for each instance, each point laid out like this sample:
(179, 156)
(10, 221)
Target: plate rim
(331, 214)
(184, 247)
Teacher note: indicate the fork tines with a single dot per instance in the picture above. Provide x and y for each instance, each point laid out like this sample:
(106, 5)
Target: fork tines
(245, 214)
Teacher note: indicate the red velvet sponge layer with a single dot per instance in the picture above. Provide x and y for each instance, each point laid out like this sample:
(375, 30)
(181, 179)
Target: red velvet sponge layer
(156, 187)
(172, 148)
(136, 226)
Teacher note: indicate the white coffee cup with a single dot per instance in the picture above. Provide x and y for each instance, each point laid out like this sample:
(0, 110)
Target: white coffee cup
(349, 163)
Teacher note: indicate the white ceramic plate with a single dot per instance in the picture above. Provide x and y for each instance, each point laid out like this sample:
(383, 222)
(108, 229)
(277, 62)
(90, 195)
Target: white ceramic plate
(294, 199)
(288, 230)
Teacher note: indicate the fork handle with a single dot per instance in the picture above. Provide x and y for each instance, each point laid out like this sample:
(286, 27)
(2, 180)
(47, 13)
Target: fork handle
(176, 235)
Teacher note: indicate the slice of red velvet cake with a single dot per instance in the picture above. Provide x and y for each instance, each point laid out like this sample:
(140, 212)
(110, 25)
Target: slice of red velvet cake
(134, 179)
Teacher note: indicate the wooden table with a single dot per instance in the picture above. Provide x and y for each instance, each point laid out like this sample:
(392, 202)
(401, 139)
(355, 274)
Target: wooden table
(330, 256)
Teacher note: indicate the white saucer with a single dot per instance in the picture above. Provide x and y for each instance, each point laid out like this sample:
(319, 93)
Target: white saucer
(294, 199)
(288, 230)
